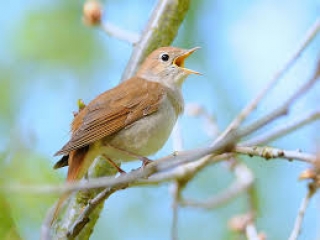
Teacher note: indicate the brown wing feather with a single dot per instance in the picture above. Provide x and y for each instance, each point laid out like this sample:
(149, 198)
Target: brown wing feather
(112, 111)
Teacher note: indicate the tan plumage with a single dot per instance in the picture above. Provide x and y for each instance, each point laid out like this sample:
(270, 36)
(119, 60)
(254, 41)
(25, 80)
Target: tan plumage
(112, 111)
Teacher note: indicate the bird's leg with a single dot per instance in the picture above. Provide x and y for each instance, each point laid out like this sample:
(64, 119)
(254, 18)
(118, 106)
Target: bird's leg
(119, 169)
(145, 160)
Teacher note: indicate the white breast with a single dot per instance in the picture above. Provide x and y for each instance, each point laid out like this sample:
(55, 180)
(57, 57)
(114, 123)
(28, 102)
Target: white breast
(147, 135)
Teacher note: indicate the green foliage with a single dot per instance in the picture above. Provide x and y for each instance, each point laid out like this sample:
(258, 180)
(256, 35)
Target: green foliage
(6, 111)
(57, 36)
(23, 208)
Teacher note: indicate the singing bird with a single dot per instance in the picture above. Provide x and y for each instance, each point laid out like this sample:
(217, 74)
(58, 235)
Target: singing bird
(132, 119)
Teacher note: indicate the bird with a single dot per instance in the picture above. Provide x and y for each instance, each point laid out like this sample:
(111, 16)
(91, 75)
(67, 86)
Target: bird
(130, 121)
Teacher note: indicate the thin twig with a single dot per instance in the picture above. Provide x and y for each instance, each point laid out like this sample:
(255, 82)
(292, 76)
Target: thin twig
(271, 153)
(279, 111)
(119, 33)
(251, 232)
(185, 170)
(298, 222)
(176, 189)
(309, 36)
(92, 16)
(244, 179)
(283, 129)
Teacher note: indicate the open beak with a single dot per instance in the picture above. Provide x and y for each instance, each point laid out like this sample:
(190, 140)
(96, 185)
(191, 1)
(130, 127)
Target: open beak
(179, 61)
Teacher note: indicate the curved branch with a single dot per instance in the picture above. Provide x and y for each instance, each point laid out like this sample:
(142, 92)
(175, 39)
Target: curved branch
(160, 31)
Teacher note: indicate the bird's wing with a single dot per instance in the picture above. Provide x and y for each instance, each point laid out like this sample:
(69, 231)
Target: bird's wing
(113, 110)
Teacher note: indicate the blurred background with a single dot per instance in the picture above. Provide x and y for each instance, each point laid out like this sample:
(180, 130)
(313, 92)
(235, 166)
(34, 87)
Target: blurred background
(49, 59)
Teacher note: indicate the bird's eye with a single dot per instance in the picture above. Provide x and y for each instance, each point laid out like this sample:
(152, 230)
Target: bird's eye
(165, 57)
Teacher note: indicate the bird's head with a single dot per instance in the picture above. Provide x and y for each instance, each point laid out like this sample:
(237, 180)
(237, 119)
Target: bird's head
(166, 65)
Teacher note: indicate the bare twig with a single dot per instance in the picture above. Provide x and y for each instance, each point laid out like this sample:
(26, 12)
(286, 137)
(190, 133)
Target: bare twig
(251, 232)
(310, 35)
(161, 30)
(176, 190)
(313, 175)
(175, 187)
(298, 222)
(92, 16)
(280, 111)
(244, 224)
(271, 153)
(119, 33)
(182, 171)
(283, 129)
(244, 179)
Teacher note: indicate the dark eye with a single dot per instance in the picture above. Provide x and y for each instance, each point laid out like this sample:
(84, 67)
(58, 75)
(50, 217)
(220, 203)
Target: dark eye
(165, 57)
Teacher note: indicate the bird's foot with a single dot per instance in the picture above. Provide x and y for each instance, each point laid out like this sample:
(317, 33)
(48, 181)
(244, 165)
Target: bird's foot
(145, 161)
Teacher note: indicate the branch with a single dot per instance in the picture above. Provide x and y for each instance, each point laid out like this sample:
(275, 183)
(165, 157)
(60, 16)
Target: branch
(176, 192)
(92, 16)
(298, 223)
(166, 169)
(283, 129)
(245, 224)
(83, 218)
(280, 111)
(310, 35)
(77, 202)
(119, 33)
(160, 31)
(244, 179)
(271, 153)
(251, 232)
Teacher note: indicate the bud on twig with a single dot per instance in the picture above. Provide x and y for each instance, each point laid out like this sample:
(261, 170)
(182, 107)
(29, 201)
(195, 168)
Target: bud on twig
(92, 13)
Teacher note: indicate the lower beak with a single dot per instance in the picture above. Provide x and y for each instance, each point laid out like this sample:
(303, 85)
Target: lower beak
(179, 61)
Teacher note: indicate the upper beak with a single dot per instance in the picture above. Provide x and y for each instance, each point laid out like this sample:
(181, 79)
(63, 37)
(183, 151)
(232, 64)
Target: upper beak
(179, 61)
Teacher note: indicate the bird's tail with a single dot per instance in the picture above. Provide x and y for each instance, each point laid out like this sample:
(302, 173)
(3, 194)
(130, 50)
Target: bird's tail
(78, 166)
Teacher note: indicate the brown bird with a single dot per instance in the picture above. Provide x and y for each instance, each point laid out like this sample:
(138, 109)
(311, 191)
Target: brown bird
(130, 121)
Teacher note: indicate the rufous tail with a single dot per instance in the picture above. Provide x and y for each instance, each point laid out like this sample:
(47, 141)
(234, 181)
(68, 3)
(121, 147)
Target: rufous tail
(76, 171)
